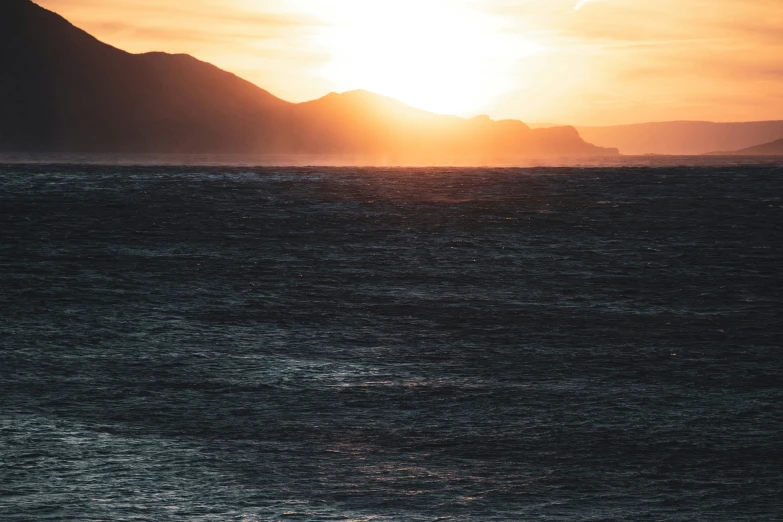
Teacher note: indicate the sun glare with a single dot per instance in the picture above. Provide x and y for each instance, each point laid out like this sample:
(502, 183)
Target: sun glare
(438, 55)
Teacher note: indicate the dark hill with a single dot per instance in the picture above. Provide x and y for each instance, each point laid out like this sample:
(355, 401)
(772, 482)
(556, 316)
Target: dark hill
(767, 149)
(683, 137)
(61, 90)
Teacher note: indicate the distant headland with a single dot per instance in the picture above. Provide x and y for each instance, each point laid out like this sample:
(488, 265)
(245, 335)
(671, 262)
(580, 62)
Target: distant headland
(774, 148)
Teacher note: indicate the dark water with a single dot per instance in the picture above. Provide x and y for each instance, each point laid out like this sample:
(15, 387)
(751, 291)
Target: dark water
(416, 345)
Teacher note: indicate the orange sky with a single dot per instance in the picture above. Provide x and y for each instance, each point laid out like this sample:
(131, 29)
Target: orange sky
(588, 62)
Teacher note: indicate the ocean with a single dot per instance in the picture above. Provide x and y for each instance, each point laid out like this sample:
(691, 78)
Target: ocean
(214, 343)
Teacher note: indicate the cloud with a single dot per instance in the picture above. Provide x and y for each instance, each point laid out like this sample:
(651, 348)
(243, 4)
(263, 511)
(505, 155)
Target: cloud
(583, 3)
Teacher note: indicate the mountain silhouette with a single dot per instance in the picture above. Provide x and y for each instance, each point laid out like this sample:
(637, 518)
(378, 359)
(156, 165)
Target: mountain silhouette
(683, 137)
(62, 90)
(774, 148)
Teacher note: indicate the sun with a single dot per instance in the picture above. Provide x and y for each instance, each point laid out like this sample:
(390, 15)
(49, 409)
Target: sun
(439, 55)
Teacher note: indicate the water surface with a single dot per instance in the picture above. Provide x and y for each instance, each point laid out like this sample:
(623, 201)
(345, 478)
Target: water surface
(242, 343)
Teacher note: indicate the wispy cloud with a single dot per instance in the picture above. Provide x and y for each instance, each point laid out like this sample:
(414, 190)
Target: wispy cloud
(583, 3)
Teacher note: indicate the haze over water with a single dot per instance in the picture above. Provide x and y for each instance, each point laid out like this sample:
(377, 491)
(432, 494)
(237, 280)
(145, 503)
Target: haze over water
(244, 343)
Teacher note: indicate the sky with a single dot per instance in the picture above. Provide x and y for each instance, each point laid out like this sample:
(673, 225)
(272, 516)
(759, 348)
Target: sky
(580, 62)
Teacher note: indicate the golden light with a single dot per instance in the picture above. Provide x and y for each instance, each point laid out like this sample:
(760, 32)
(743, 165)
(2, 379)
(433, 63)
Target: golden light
(443, 56)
